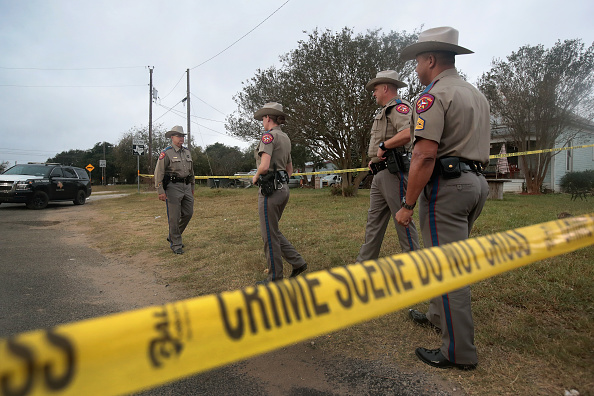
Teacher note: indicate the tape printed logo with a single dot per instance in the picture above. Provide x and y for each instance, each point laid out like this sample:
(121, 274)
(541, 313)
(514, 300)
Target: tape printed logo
(56, 376)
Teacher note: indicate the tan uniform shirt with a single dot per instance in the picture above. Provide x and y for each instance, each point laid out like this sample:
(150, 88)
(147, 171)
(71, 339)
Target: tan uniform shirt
(277, 144)
(453, 113)
(391, 119)
(173, 161)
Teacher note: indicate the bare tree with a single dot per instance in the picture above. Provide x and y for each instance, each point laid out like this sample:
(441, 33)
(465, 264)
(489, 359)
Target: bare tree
(4, 165)
(543, 97)
(321, 86)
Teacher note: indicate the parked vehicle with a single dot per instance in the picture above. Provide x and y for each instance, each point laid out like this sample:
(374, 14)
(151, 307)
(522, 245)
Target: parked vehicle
(294, 181)
(37, 184)
(244, 181)
(330, 180)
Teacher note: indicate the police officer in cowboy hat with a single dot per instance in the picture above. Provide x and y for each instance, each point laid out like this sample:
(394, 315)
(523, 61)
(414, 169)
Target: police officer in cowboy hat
(390, 136)
(451, 147)
(174, 180)
(274, 156)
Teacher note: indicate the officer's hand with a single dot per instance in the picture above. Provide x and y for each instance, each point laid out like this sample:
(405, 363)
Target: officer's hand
(380, 154)
(369, 165)
(192, 190)
(403, 217)
(163, 197)
(254, 180)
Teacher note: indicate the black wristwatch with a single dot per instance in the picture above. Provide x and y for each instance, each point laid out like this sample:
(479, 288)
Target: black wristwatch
(382, 145)
(407, 206)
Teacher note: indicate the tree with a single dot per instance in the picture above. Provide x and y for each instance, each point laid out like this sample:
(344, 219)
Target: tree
(543, 96)
(126, 162)
(71, 157)
(4, 165)
(226, 161)
(321, 85)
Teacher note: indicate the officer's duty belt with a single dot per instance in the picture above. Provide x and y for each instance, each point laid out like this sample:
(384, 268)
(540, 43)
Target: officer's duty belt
(376, 167)
(177, 179)
(471, 166)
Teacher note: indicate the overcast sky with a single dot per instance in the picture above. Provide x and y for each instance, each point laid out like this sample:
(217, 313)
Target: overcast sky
(74, 73)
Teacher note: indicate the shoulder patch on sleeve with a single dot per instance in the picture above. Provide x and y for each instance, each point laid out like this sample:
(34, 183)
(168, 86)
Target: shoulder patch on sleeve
(402, 108)
(267, 138)
(425, 102)
(162, 155)
(420, 124)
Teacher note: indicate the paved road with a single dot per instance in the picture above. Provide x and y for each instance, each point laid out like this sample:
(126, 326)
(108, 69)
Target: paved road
(37, 288)
(42, 284)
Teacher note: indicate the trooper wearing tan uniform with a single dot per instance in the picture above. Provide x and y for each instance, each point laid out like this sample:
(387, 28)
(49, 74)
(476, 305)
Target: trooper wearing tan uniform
(274, 154)
(451, 147)
(390, 135)
(174, 181)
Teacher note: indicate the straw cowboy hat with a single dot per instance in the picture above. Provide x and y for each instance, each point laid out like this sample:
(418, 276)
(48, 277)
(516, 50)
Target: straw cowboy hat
(385, 77)
(443, 38)
(176, 130)
(271, 108)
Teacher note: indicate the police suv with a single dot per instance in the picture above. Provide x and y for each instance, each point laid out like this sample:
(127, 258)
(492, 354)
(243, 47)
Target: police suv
(36, 184)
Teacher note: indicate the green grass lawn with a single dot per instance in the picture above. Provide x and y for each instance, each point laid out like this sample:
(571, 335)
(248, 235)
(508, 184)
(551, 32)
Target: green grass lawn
(534, 325)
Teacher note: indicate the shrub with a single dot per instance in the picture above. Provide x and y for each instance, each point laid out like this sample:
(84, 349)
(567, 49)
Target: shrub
(578, 184)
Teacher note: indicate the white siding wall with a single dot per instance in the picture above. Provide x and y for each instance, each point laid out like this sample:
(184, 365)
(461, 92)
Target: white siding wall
(582, 159)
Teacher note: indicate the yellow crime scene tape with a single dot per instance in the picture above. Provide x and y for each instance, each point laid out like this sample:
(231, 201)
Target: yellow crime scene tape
(367, 169)
(136, 350)
(539, 151)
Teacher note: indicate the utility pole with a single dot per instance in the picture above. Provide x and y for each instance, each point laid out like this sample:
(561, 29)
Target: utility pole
(188, 108)
(150, 142)
(103, 175)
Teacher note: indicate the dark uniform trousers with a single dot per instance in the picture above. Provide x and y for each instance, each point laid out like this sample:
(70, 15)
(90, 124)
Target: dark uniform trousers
(276, 246)
(180, 208)
(385, 199)
(447, 210)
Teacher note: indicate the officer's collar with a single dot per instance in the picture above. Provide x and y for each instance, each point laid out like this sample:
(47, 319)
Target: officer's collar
(394, 100)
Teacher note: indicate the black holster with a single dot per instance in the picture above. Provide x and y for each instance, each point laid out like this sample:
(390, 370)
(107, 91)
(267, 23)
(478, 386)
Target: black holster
(166, 180)
(397, 161)
(268, 183)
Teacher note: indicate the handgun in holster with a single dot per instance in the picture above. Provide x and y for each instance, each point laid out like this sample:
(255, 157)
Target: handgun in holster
(166, 180)
(397, 160)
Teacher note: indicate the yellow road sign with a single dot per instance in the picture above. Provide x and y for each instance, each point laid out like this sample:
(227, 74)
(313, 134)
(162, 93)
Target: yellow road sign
(89, 167)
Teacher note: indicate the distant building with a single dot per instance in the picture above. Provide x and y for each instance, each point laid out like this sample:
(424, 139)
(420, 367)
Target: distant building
(562, 161)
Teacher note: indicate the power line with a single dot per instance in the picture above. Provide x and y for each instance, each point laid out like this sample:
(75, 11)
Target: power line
(176, 84)
(64, 69)
(168, 109)
(183, 115)
(173, 109)
(242, 37)
(207, 104)
(72, 86)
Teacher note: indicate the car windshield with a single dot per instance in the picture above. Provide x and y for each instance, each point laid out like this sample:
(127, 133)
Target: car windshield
(31, 170)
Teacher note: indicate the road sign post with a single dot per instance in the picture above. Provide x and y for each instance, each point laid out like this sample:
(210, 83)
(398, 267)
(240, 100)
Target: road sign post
(90, 169)
(138, 150)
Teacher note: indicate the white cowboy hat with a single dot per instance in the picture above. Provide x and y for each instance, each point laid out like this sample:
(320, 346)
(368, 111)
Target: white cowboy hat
(271, 108)
(443, 38)
(176, 130)
(385, 77)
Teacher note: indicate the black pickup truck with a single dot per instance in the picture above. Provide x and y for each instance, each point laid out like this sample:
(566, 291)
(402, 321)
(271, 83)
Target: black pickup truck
(37, 184)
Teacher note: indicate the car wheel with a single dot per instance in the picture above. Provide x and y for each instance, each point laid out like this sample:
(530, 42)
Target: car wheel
(39, 200)
(81, 198)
